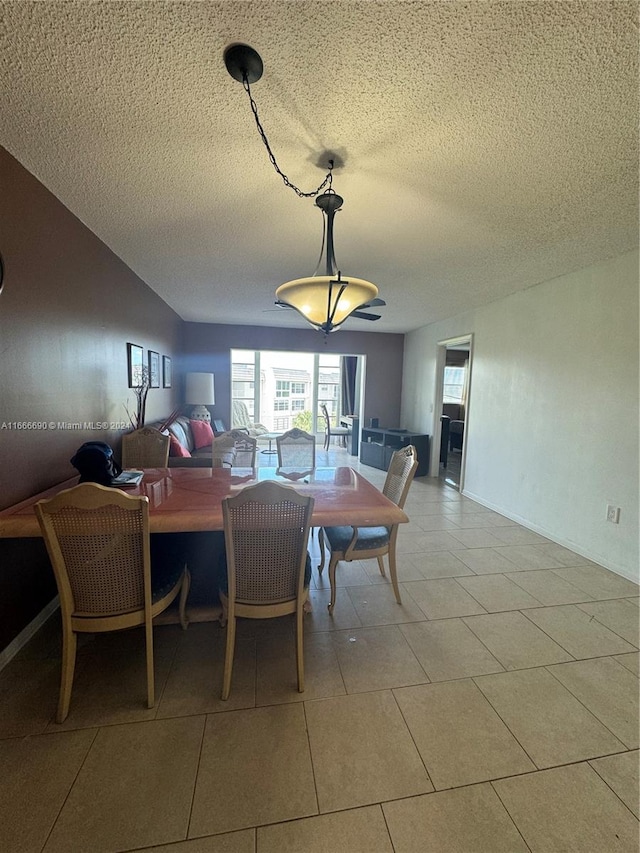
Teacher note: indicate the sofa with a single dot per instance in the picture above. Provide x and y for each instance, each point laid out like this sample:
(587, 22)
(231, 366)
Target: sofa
(184, 450)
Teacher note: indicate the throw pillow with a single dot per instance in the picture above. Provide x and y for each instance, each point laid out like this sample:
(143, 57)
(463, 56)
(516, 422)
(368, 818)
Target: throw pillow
(202, 434)
(177, 449)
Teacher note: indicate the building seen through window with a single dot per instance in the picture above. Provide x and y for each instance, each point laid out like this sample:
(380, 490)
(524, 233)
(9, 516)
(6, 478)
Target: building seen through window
(284, 390)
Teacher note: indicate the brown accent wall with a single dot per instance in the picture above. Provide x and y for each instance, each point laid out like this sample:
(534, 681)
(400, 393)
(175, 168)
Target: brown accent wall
(207, 348)
(67, 310)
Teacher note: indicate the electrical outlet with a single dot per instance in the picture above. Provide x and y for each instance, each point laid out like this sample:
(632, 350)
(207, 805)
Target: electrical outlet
(613, 514)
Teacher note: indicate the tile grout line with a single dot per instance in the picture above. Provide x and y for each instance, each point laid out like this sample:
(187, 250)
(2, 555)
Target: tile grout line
(511, 818)
(595, 769)
(586, 707)
(71, 787)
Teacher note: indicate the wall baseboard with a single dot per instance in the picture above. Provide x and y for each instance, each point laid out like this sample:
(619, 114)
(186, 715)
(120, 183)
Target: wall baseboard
(566, 543)
(7, 654)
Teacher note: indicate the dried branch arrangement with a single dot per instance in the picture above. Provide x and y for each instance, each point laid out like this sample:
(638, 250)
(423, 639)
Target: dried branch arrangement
(137, 418)
(170, 419)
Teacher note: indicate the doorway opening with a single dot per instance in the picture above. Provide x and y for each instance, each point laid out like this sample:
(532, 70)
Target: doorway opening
(452, 411)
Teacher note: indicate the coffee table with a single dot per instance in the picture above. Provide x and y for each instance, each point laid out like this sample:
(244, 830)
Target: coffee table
(270, 436)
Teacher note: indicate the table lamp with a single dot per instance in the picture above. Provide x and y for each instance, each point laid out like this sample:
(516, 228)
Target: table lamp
(200, 394)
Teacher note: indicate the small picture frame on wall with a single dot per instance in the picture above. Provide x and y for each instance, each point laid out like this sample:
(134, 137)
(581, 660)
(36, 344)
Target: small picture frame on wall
(166, 371)
(135, 361)
(154, 369)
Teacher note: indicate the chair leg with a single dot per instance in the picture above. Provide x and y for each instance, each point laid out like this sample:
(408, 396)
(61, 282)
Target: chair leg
(184, 592)
(381, 566)
(333, 563)
(228, 656)
(148, 634)
(300, 647)
(321, 543)
(69, 645)
(393, 573)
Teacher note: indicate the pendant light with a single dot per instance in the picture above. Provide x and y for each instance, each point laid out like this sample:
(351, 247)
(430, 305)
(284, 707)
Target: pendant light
(325, 299)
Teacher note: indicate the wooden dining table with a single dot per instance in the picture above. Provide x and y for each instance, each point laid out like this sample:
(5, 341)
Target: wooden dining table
(183, 500)
(189, 501)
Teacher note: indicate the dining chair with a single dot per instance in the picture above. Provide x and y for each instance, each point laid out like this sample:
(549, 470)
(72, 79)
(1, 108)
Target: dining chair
(245, 447)
(296, 449)
(145, 448)
(268, 569)
(362, 543)
(331, 430)
(98, 542)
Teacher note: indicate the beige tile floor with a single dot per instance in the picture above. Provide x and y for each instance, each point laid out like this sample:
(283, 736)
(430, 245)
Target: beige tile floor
(495, 710)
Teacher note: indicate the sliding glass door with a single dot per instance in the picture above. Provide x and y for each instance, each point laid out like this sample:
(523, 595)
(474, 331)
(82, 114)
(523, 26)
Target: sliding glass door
(282, 390)
(328, 382)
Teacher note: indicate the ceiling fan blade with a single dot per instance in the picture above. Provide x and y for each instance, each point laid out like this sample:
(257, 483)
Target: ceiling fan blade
(373, 303)
(278, 307)
(362, 315)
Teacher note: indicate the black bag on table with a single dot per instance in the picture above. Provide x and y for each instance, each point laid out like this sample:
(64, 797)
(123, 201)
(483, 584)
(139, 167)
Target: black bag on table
(95, 463)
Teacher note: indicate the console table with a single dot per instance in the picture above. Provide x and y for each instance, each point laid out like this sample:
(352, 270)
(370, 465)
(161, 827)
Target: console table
(377, 446)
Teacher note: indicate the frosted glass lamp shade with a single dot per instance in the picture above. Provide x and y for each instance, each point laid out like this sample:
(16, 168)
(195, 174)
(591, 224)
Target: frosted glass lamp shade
(324, 301)
(200, 393)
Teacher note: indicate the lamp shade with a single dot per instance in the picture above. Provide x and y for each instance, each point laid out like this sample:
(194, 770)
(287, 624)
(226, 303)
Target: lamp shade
(200, 389)
(325, 302)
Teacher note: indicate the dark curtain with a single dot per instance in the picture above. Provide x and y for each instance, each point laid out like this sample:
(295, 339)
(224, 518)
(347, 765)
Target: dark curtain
(349, 367)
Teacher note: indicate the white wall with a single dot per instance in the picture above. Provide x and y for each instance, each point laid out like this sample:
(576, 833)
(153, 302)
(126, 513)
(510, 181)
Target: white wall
(552, 431)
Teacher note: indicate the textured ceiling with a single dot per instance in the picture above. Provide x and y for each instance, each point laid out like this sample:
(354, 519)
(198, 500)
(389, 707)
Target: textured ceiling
(488, 146)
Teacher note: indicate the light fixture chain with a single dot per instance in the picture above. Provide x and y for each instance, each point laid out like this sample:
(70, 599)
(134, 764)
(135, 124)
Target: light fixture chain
(263, 136)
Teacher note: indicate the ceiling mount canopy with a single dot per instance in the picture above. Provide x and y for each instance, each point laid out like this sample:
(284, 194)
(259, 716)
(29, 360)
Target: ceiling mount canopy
(325, 299)
(243, 62)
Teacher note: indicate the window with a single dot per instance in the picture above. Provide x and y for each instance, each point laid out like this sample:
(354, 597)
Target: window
(285, 389)
(454, 382)
(243, 389)
(328, 392)
(243, 381)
